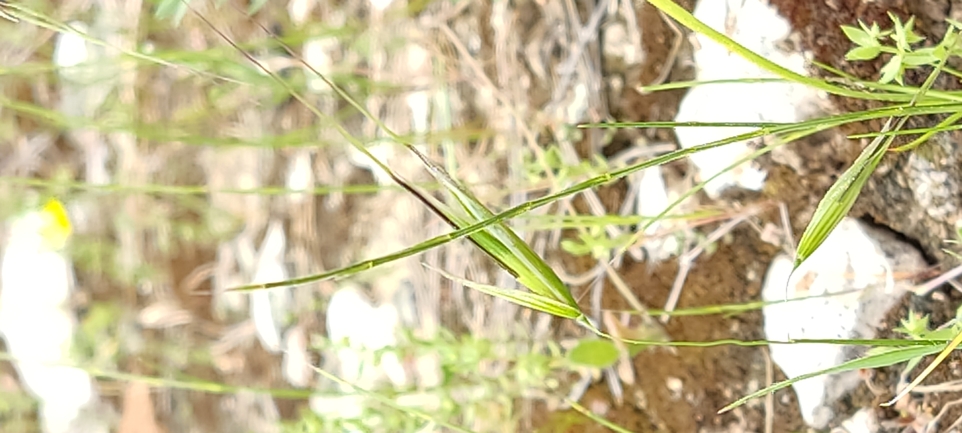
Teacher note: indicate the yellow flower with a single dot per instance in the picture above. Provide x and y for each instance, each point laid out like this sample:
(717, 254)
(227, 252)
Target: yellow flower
(55, 228)
(34, 269)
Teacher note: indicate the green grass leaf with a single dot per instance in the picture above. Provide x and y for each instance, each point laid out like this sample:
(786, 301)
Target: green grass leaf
(500, 242)
(892, 71)
(840, 197)
(883, 358)
(944, 353)
(174, 10)
(525, 299)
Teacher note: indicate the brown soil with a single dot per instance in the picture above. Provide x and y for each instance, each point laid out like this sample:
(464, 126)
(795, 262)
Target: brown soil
(711, 376)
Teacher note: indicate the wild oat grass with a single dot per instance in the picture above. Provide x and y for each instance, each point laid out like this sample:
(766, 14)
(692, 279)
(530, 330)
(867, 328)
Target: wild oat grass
(489, 230)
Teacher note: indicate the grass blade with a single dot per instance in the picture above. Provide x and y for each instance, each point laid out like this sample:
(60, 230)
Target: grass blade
(525, 299)
(876, 360)
(519, 259)
(928, 370)
(841, 197)
(686, 19)
(598, 419)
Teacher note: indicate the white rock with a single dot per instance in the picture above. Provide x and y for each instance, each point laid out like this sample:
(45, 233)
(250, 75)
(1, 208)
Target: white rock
(852, 265)
(758, 27)
(863, 421)
(353, 321)
(87, 76)
(300, 177)
(300, 10)
(383, 152)
(268, 307)
(359, 330)
(296, 365)
(317, 54)
(381, 5)
(652, 200)
(419, 103)
(338, 407)
(70, 51)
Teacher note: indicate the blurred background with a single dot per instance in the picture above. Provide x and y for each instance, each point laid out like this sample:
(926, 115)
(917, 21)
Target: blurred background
(184, 170)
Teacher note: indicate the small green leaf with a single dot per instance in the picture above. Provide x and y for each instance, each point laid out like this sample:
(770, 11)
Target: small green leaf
(940, 51)
(863, 53)
(910, 35)
(594, 353)
(914, 325)
(873, 31)
(892, 71)
(859, 37)
(575, 248)
(899, 36)
(925, 56)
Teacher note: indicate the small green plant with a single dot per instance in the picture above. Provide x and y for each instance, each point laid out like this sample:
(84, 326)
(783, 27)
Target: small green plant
(916, 327)
(98, 339)
(869, 45)
(16, 411)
